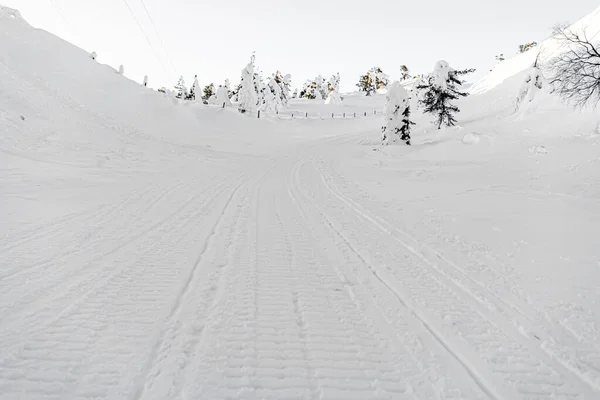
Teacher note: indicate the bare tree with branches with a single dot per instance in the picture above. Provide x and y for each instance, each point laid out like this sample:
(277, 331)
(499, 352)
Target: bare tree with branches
(577, 70)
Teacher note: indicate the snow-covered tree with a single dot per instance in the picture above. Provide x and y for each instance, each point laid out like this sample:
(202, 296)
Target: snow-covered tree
(315, 89)
(261, 89)
(419, 89)
(404, 73)
(380, 78)
(334, 82)
(373, 80)
(333, 97)
(322, 87)
(533, 83)
(93, 55)
(247, 95)
(309, 90)
(145, 80)
(442, 87)
(366, 84)
(227, 86)
(273, 98)
(397, 115)
(295, 94)
(195, 93)
(221, 96)
(235, 92)
(284, 82)
(181, 91)
(208, 91)
(527, 46)
(121, 69)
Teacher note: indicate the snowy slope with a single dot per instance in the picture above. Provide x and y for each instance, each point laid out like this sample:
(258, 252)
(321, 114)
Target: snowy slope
(547, 49)
(157, 250)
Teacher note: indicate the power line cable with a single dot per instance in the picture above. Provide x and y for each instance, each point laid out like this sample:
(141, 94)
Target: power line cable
(159, 37)
(63, 16)
(146, 36)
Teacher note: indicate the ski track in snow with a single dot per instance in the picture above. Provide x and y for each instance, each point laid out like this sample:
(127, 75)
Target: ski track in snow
(269, 284)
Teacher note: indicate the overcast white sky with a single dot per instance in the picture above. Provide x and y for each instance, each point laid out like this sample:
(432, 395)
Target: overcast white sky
(215, 39)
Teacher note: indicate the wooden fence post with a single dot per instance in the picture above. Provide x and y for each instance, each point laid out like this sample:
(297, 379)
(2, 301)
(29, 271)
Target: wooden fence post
(344, 115)
(259, 114)
(354, 115)
(292, 115)
(374, 112)
(306, 114)
(365, 113)
(331, 115)
(223, 104)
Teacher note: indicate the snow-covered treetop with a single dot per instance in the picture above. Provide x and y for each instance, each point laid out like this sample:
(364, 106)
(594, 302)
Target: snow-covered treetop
(440, 73)
(396, 94)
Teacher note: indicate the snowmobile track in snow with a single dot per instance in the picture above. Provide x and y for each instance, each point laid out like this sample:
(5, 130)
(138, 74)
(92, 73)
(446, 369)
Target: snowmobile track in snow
(480, 328)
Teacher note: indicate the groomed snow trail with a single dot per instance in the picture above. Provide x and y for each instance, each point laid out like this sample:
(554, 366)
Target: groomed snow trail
(268, 281)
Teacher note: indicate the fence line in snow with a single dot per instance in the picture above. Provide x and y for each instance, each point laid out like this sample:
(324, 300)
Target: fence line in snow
(305, 115)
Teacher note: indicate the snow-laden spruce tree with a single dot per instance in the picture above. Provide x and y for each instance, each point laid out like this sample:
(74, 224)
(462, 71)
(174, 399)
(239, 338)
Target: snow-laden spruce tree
(181, 91)
(247, 94)
(373, 80)
(322, 88)
(234, 93)
(221, 97)
(533, 83)
(121, 69)
(309, 90)
(404, 73)
(397, 116)
(270, 101)
(334, 90)
(145, 80)
(284, 82)
(195, 93)
(93, 55)
(207, 92)
(227, 86)
(419, 89)
(380, 78)
(441, 88)
(273, 96)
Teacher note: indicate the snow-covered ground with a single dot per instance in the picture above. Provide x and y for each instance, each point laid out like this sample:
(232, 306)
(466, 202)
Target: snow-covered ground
(160, 250)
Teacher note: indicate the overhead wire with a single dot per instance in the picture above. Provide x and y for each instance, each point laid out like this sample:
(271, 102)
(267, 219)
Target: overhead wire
(63, 16)
(162, 43)
(146, 36)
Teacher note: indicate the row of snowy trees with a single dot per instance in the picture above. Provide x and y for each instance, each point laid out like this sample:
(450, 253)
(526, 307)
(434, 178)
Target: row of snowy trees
(373, 80)
(254, 94)
(321, 89)
(434, 93)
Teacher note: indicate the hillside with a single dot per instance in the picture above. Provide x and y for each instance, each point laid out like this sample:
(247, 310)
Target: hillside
(152, 248)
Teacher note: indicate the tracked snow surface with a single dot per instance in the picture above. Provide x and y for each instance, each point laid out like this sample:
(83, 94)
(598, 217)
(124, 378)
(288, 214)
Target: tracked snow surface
(152, 248)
